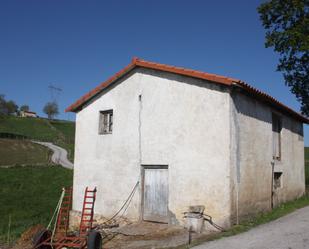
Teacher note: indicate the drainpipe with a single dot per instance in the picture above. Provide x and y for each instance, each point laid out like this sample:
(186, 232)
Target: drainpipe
(237, 152)
(272, 184)
(141, 188)
(140, 129)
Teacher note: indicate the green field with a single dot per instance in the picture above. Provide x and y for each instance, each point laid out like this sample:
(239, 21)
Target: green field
(20, 152)
(59, 132)
(307, 164)
(28, 196)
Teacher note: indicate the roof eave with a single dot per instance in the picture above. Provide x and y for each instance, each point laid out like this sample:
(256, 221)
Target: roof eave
(90, 95)
(270, 101)
(77, 106)
(149, 65)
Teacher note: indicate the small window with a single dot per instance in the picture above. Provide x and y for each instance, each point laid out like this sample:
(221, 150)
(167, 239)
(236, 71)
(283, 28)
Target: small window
(276, 128)
(300, 132)
(277, 180)
(106, 122)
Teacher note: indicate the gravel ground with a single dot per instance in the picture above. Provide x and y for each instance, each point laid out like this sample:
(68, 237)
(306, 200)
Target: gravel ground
(288, 232)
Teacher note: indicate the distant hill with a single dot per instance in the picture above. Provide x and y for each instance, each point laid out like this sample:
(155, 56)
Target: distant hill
(59, 132)
(23, 152)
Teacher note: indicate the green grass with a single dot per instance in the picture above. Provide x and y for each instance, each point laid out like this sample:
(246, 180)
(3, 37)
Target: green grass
(66, 136)
(262, 218)
(59, 132)
(276, 213)
(307, 165)
(14, 152)
(33, 128)
(66, 128)
(29, 195)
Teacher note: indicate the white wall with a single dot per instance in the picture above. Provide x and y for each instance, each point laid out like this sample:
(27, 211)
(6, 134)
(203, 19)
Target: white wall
(109, 162)
(252, 144)
(184, 123)
(218, 147)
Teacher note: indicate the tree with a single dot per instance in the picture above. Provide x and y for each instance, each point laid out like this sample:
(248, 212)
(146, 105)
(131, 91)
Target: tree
(51, 109)
(3, 110)
(7, 107)
(24, 108)
(287, 31)
(11, 107)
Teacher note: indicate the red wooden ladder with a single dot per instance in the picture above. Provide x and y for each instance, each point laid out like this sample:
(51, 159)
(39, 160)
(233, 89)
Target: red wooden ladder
(64, 213)
(87, 212)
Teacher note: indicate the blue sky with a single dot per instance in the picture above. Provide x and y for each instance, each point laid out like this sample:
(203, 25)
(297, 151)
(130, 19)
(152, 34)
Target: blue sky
(76, 45)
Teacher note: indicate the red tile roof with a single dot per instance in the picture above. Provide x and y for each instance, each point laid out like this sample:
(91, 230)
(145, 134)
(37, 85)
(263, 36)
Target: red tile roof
(30, 112)
(136, 62)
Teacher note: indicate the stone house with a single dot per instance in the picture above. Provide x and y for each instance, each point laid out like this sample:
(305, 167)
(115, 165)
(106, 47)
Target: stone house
(187, 138)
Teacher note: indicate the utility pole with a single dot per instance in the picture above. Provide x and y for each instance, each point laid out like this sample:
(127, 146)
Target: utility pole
(54, 92)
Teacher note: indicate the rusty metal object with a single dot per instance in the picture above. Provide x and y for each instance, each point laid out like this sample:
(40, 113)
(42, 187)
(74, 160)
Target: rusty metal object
(86, 238)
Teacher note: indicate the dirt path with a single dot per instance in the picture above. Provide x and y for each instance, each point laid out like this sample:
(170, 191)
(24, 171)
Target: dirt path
(288, 232)
(60, 155)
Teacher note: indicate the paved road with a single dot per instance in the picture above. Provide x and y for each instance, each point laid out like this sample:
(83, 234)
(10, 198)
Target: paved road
(288, 232)
(60, 155)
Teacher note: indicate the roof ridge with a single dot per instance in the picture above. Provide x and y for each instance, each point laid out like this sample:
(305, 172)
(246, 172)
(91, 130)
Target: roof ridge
(219, 79)
(139, 61)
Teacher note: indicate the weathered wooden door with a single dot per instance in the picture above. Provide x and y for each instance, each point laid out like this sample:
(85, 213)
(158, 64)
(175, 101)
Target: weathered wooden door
(155, 196)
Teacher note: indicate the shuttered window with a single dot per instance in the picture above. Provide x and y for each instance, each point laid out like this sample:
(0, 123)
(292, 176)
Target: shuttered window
(277, 180)
(106, 122)
(276, 128)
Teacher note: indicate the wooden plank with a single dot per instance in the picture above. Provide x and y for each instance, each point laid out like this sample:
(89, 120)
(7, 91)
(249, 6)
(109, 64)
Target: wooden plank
(156, 194)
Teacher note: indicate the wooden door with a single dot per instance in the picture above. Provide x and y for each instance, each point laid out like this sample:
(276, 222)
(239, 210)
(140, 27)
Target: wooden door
(155, 196)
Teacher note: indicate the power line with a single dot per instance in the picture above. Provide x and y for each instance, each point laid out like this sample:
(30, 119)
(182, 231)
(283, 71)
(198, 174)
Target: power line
(54, 92)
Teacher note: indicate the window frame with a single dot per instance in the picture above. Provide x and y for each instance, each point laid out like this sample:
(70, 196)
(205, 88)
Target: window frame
(277, 180)
(106, 119)
(277, 129)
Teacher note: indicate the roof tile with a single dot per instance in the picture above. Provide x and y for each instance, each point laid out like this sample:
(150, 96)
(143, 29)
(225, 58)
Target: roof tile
(136, 62)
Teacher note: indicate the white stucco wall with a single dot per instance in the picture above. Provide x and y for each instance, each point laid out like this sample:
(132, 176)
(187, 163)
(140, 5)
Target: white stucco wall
(252, 143)
(217, 145)
(183, 123)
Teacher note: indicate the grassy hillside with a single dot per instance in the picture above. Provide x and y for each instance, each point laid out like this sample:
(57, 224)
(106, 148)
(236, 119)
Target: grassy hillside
(28, 196)
(13, 152)
(58, 132)
(307, 164)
